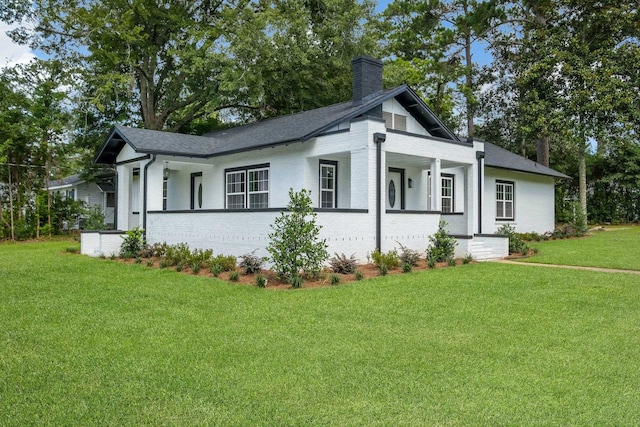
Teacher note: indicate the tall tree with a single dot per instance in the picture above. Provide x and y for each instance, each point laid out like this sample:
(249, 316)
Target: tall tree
(442, 33)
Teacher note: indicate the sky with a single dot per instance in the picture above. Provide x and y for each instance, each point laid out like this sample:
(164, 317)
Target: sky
(11, 53)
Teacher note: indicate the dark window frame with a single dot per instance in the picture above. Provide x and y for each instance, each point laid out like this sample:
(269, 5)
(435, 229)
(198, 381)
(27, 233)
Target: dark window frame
(246, 192)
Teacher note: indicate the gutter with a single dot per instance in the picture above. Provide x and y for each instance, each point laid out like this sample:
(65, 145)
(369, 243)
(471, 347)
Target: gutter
(144, 197)
(378, 139)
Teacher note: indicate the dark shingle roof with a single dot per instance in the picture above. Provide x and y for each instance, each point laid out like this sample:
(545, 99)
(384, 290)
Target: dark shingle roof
(498, 157)
(278, 130)
(67, 180)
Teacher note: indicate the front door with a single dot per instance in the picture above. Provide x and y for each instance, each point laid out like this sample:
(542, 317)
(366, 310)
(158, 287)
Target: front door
(196, 190)
(395, 189)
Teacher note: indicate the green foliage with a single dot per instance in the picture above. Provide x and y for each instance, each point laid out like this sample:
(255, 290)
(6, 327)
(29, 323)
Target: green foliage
(334, 279)
(431, 262)
(295, 245)
(441, 245)
(251, 263)
(342, 264)
(225, 262)
(296, 281)
(406, 267)
(94, 219)
(132, 243)
(177, 254)
(261, 281)
(467, 259)
(72, 249)
(234, 276)
(384, 270)
(451, 262)
(390, 260)
(216, 269)
(516, 244)
(358, 275)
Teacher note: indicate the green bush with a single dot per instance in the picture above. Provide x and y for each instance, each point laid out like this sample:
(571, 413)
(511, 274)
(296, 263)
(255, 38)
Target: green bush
(234, 276)
(335, 279)
(295, 246)
(390, 260)
(94, 219)
(132, 243)
(406, 267)
(442, 246)
(516, 244)
(359, 275)
(261, 281)
(225, 262)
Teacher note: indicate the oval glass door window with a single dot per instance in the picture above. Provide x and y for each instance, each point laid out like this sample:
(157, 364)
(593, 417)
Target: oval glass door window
(200, 196)
(392, 193)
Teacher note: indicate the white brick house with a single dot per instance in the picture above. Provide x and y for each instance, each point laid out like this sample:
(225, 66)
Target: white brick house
(383, 170)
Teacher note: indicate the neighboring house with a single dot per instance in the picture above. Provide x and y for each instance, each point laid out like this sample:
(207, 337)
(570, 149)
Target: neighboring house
(383, 170)
(101, 193)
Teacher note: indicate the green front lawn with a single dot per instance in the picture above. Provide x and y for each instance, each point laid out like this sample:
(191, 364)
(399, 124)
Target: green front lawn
(618, 247)
(94, 342)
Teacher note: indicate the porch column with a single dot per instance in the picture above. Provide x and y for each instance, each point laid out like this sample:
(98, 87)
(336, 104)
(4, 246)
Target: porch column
(436, 186)
(360, 179)
(471, 189)
(123, 197)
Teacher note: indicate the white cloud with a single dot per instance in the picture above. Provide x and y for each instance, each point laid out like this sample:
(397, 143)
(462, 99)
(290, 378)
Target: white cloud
(11, 53)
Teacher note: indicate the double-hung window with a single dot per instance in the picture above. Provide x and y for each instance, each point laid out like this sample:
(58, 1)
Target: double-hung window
(328, 183)
(504, 200)
(447, 194)
(247, 188)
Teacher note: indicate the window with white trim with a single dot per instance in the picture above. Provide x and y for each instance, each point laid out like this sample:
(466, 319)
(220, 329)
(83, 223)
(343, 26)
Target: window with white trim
(504, 200)
(165, 185)
(447, 194)
(250, 184)
(328, 183)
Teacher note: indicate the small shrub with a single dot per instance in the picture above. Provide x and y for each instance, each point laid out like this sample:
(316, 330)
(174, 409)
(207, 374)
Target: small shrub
(149, 263)
(179, 253)
(226, 262)
(516, 244)
(359, 275)
(72, 249)
(132, 243)
(342, 264)
(196, 267)
(409, 256)
(179, 266)
(406, 267)
(384, 270)
(335, 279)
(138, 260)
(431, 262)
(390, 260)
(467, 259)
(442, 246)
(296, 281)
(113, 256)
(216, 269)
(251, 263)
(201, 257)
(536, 250)
(234, 276)
(94, 219)
(261, 281)
(163, 263)
(451, 262)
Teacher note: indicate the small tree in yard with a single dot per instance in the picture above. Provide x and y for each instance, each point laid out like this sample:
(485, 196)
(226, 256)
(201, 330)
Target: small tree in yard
(295, 247)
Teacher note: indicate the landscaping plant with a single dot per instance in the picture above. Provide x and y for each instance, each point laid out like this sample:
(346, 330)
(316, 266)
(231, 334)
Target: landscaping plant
(442, 246)
(295, 245)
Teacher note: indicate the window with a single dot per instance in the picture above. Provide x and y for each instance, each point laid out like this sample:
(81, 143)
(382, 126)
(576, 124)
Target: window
(447, 194)
(111, 200)
(70, 194)
(250, 183)
(504, 200)
(328, 184)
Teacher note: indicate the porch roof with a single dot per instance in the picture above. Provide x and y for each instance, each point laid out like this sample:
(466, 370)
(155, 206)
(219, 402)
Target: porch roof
(500, 158)
(279, 130)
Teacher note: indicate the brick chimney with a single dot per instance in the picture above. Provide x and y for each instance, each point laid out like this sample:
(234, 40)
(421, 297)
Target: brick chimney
(367, 77)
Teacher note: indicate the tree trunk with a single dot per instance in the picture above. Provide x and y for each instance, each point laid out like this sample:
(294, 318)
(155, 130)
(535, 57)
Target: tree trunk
(582, 178)
(542, 151)
(469, 82)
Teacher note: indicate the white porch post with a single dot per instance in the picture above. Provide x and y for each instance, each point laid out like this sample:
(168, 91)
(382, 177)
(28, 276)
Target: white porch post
(436, 186)
(471, 189)
(123, 195)
(360, 179)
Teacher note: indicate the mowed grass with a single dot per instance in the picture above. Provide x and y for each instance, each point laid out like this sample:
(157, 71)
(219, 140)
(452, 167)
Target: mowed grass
(94, 342)
(618, 247)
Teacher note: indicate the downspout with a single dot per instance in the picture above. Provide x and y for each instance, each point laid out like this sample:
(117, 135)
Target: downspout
(378, 139)
(480, 156)
(115, 196)
(144, 197)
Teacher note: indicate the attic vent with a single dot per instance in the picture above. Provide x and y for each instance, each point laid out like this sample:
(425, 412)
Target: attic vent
(394, 121)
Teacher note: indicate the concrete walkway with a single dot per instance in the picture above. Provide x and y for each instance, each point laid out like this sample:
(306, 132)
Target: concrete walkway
(569, 267)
